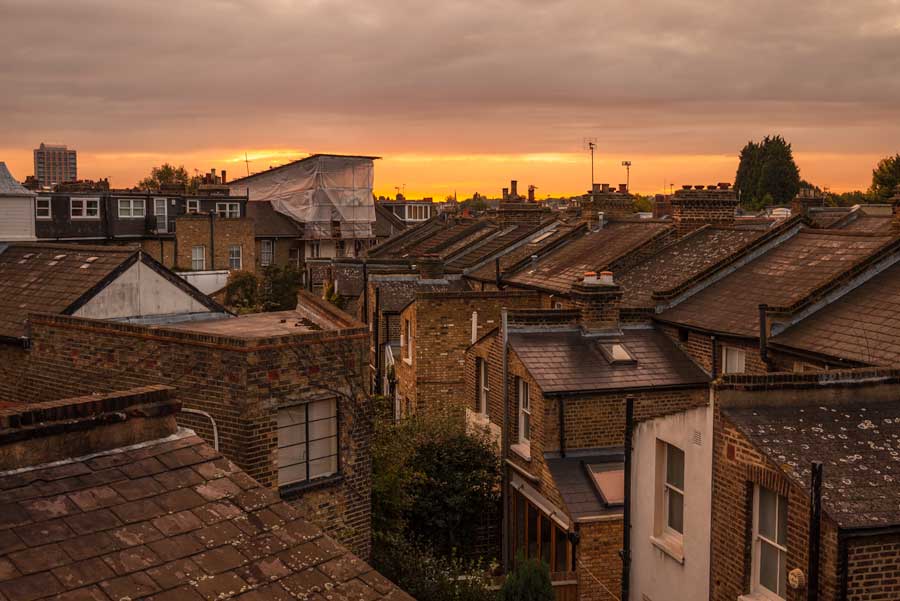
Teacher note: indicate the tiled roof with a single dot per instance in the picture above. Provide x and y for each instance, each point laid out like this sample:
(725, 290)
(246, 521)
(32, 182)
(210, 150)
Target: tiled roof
(570, 362)
(396, 294)
(510, 235)
(825, 217)
(439, 235)
(679, 262)
(386, 221)
(50, 277)
(269, 223)
(858, 445)
(168, 520)
(575, 487)
(511, 259)
(860, 326)
(556, 271)
(782, 277)
(873, 224)
(8, 184)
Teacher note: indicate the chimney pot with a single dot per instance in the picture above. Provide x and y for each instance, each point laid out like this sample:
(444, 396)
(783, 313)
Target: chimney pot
(686, 187)
(513, 189)
(711, 187)
(590, 277)
(595, 188)
(606, 277)
(224, 180)
(623, 188)
(724, 185)
(604, 187)
(699, 186)
(505, 193)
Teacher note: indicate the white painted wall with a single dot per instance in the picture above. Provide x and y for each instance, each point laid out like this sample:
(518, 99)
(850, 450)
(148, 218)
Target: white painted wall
(655, 575)
(16, 218)
(208, 281)
(140, 291)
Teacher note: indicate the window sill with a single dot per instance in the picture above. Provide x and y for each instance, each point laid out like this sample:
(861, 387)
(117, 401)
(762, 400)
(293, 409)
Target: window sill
(759, 597)
(290, 491)
(669, 545)
(407, 361)
(522, 449)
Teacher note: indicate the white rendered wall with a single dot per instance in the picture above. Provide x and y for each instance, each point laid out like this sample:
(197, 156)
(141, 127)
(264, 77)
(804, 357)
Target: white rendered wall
(17, 219)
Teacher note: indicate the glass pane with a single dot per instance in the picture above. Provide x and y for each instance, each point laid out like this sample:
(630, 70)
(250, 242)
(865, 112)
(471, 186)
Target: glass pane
(288, 456)
(782, 521)
(322, 448)
(322, 428)
(675, 467)
(767, 512)
(294, 473)
(321, 409)
(520, 524)
(526, 426)
(291, 416)
(545, 539)
(559, 565)
(532, 531)
(676, 511)
(322, 467)
(768, 566)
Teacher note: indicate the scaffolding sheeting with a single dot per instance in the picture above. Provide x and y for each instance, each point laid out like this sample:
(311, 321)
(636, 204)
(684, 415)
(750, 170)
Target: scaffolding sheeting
(318, 191)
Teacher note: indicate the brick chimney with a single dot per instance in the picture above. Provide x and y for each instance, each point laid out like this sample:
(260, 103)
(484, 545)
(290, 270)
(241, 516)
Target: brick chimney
(36, 433)
(597, 298)
(696, 206)
(431, 267)
(806, 199)
(513, 190)
(613, 204)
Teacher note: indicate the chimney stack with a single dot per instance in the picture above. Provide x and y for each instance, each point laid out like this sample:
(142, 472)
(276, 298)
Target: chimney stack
(431, 267)
(598, 299)
(513, 190)
(696, 206)
(505, 193)
(530, 193)
(623, 188)
(224, 180)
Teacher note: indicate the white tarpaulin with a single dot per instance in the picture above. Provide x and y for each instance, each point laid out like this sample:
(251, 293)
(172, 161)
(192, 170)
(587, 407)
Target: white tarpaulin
(318, 191)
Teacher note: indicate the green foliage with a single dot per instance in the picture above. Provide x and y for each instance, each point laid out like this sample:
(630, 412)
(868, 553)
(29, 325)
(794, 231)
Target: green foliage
(424, 575)
(278, 291)
(169, 175)
(528, 581)
(242, 291)
(643, 204)
(767, 173)
(333, 297)
(885, 178)
(433, 481)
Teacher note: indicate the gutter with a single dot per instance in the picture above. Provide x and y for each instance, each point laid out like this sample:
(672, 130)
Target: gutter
(504, 435)
(626, 517)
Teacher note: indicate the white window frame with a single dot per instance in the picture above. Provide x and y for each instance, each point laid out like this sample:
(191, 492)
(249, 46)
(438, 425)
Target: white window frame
(38, 208)
(198, 258)
(232, 256)
(484, 386)
(315, 249)
(131, 206)
(672, 489)
(88, 206)
(302, 430)
(407, 329)
(756, 587)
(524, 397)
(229, 210)
(266, 252)
(193, 206)
(740, 357)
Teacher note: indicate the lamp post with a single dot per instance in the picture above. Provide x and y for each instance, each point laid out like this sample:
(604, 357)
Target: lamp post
(627, 165)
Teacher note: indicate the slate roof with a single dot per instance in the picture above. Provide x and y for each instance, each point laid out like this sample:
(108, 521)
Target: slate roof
(825, 217)
(574, 485)
(557, 271)
(872, 224)
(511, 260)
(8, 184)
(395, 295)
(439, 235)
(269, 223)
(508, 236)
(677, 263)
(169, 520)
(858, 444)
(569, 362)
(49, 278)
(860, 326)
(782, 277)
(386, 222)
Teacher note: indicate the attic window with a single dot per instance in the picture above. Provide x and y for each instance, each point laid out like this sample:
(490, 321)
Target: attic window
(609, 481)
(617, 353)
(58, 257)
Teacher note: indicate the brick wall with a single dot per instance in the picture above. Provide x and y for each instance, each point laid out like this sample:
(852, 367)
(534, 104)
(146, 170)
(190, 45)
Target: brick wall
(282, 253)
(699, 347)
(599, 567)
(13, 362)
(693, 208)
(240, 385)
(161, 249)
(194, 230)
(873, 568)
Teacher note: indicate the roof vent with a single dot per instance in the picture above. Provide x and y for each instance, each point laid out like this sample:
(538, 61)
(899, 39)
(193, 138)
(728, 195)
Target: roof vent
(91, 259)
(84, 266)
(28, 255)
(52, 263)
(58, 257)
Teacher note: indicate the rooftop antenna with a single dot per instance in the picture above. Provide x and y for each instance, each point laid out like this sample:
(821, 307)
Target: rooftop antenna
(591, 144)
(627, 165)
(247, 162)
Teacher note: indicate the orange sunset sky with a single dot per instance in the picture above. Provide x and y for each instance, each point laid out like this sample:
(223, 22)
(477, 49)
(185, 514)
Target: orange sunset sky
(456, 97)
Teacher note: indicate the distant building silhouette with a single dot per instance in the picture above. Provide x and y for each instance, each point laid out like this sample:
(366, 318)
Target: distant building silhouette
(55, 165)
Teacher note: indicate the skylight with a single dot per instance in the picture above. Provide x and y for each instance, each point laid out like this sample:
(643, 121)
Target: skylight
(609, 481)
(617, 353)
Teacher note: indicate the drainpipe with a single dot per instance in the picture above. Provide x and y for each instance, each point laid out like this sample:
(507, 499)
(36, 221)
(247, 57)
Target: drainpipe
(763, 335)
(504, 435)
(497, 273)
(215, 429)
(815, 528)
(626, 517)
(212, 238)
(562, 427)
(375, 323)
(365, 293)
(714, 372)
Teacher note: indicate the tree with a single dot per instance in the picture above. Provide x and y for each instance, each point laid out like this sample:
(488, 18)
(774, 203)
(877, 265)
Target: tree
(278, 290)
(242, 291)
(169, 175)
(885, 178)
(528, 581)
(767, 173)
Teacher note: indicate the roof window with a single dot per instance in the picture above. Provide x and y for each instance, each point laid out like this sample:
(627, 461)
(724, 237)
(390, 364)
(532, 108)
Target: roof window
(617, 353)
(609, 481)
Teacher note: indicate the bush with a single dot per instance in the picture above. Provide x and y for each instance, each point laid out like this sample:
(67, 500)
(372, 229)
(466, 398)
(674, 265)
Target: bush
(242, 290)
(422, 574)
(279, 288)
(528, 581)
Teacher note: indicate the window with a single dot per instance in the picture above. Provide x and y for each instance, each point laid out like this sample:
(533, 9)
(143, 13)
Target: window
(42, 208)
(84, 208)
(340, 248)
(228, 209)
(193, 206)
(314, 249)
(266, 252)
(733, 360)
(482, 388)
(524, 411)
(769, 543)
(294, 256)
(234, 256)
(534, 535)
(674, 490)
(198, 258)
(307, 442)
(474, 326)
(131, 208)
(407, 331)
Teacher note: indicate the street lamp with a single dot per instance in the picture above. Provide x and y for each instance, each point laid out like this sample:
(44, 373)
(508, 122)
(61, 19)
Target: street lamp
(627, 165)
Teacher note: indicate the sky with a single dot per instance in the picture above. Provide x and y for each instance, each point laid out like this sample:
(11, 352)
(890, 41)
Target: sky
(456, 97)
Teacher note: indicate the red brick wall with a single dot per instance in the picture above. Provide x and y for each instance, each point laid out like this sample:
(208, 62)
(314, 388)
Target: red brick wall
(599, 567)
(161, 249)
(699, 347)
(13, 362)
(873, 568)
(193, 230)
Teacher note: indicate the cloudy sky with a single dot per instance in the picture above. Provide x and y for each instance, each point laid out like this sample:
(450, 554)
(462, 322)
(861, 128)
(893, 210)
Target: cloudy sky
(460, 95)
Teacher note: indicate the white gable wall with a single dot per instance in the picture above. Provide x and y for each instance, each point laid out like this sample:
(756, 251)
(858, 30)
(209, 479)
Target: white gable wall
(139, 292)
(17, 219)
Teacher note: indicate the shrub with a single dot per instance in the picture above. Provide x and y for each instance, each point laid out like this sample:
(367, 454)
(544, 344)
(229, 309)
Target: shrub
(279, 288)
(529, 580)
(242, 290)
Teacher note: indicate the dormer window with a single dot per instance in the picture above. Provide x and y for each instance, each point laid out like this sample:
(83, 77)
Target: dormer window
(617, 353)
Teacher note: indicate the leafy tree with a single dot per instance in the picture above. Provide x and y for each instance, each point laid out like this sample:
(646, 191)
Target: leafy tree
(528, 581)
(242, 291)
(643, 204)
(885, 178)
(332, 296)
(169, 175)
(278, 290)
(767, 173)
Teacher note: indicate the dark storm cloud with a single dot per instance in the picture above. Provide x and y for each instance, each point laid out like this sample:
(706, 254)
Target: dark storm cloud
(486, 75)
